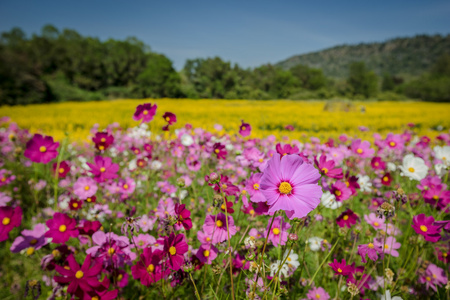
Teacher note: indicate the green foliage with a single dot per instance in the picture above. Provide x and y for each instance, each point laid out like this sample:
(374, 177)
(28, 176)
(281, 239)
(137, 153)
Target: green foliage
(362, 81)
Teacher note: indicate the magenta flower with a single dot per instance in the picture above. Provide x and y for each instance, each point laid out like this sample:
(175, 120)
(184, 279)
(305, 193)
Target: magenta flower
(327, 168)
(377, 163)
(386, 179)
(362, 149)
(148, 268)
(103, 140)
(103, 169)
(341, 191)
(291, 185)
(85, 187)
(279, 233)
(174, 247)
(10, 218)
(145, 112)
(112, 249)
(433, 277)
(317, 294)
(41, 149)
(216, 227)
(170, 118)
(206, 253)
(286, 149)
(245, 129)
(341, 268)
(347, 218)
(183, 216)
(30, 239)
(371, 250)
(63, 169)
(390, 246)
(220, 151)
(61, 228)
(82, 278)
(424, 225)
(394, 141)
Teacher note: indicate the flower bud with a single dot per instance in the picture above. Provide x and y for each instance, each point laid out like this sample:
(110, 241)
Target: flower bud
(214, 178)
(180, 182)
(293, 237)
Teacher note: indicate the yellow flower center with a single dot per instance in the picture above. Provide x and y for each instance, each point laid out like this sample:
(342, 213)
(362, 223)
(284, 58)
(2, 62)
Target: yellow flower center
(96, 297)
(217, 150)
(206, 253)
(276, 231)
(62, 228)
(219, 223)
(88, 199)
(145, 112)
(33, 242)
(223, 206)
(339, 270)
(376, 164)
(436, 197)
(317, 296)
(56, 253)
(376, 224)
(324, 170)
(111, 251)
(386, 246)
(345, 218)
(243, 128)
(150, 268)
(385, 179)
(285, 188)
(119, 278)
(86, 188)
(3, 179)
(428, 278)
(172, 250)
(208, 239)
(411, 169)
(42, 149)
(392, 144)
(30, 251)
(224, 186)
(103, 140)
(260, 160)
(61, 170)
(6, 221)
(423, 228)
(252, 212)
(125, 186)
(75, 205)
(359, 150)
(244, 192)
(102, 169)
(256, 186)
(101, 147)
(338, 193)
(167, 119)
(371, 246)
(79, 274)
(67, 267)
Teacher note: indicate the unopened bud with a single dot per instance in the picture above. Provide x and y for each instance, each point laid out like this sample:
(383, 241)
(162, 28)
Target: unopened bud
(293, 237)
(180, 182)
(214, 177)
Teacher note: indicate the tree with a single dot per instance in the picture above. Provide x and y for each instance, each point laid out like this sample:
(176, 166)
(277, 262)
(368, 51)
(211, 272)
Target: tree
(362, 81)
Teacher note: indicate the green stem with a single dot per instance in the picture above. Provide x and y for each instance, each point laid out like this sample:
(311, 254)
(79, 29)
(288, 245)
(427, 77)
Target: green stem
(323, 262)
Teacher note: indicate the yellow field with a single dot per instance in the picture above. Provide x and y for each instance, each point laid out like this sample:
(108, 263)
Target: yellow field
(266, 117)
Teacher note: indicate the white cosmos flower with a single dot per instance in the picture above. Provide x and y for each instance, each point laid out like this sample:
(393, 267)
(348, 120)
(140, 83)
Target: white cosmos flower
(440, 169)
(275, 266)
(329, 200)
(314, 243)
(387, 296)
(292, 260)
(155, 165)
(187, 140)
(443, 154)
(391, 167)
(364, 183)
(414, 167)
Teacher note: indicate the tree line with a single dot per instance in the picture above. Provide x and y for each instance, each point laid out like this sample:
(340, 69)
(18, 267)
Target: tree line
(63, 65)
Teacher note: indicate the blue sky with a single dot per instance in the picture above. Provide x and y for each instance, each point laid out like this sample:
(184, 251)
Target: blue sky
(247, 32)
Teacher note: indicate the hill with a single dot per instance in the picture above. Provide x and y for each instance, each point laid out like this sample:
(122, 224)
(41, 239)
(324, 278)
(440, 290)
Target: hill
(406, 57)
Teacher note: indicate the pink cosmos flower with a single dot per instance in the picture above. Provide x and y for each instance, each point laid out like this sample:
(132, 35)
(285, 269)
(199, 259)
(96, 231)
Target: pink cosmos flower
(341, 191)
(424, 225)
(434, 277)
(85, 187)
(4, 199)
(291, 185)
(103, 169)
(30, 239)
(207, 253)
(146, 223)
(112, 249)
(341, 268)
(394, 141)
(144, 240)
(347, 219)
(148, 268)
(377, 163)
(10, 218)
(103, 140)
(279, 233)
(61, 228)
(216, 227)
(375, 222)
(82, 278)
(145, 112)
(317, 294)
(220, 151)
(370, 249)
(174, 247)
(327, 168)
(183, 216)
(41, 149)
(362, 149)
(63, 169)
(286, 149)
(245, 129)
(253, 188)
(390, 246)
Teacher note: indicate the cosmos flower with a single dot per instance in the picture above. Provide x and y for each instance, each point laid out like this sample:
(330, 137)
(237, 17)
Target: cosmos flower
(328, 168)
(413, 167)
(9, 218)
(424, 226)
(371, 250)
(207, 253)
(63, 169)
(103, 169)
(347, 219)
(315, 243)
(30, 239)
(434, 277)
(329, 200)
(377, 163)
(443, 154)
(253, 188)
(317, 293)
(103, 140)
(216, 227)
(174, 247)
(220, 151)
(41, 149)
(245, 129)
(389, 247)
(291, 185)
(183, 216)
(61, 228)
(362, 148)
(279, 232)
(341, 191)
(84, 187)
(148, 268)
(145, 112)
(341, 268)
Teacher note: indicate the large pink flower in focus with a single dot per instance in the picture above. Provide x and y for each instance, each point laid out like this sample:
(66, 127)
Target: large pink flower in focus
(291, 185)
(41, 149)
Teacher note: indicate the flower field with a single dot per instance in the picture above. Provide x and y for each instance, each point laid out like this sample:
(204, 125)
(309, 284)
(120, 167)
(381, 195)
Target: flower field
(225, 200)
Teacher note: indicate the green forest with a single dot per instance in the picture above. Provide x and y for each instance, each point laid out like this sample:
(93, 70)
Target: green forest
(60, 65)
